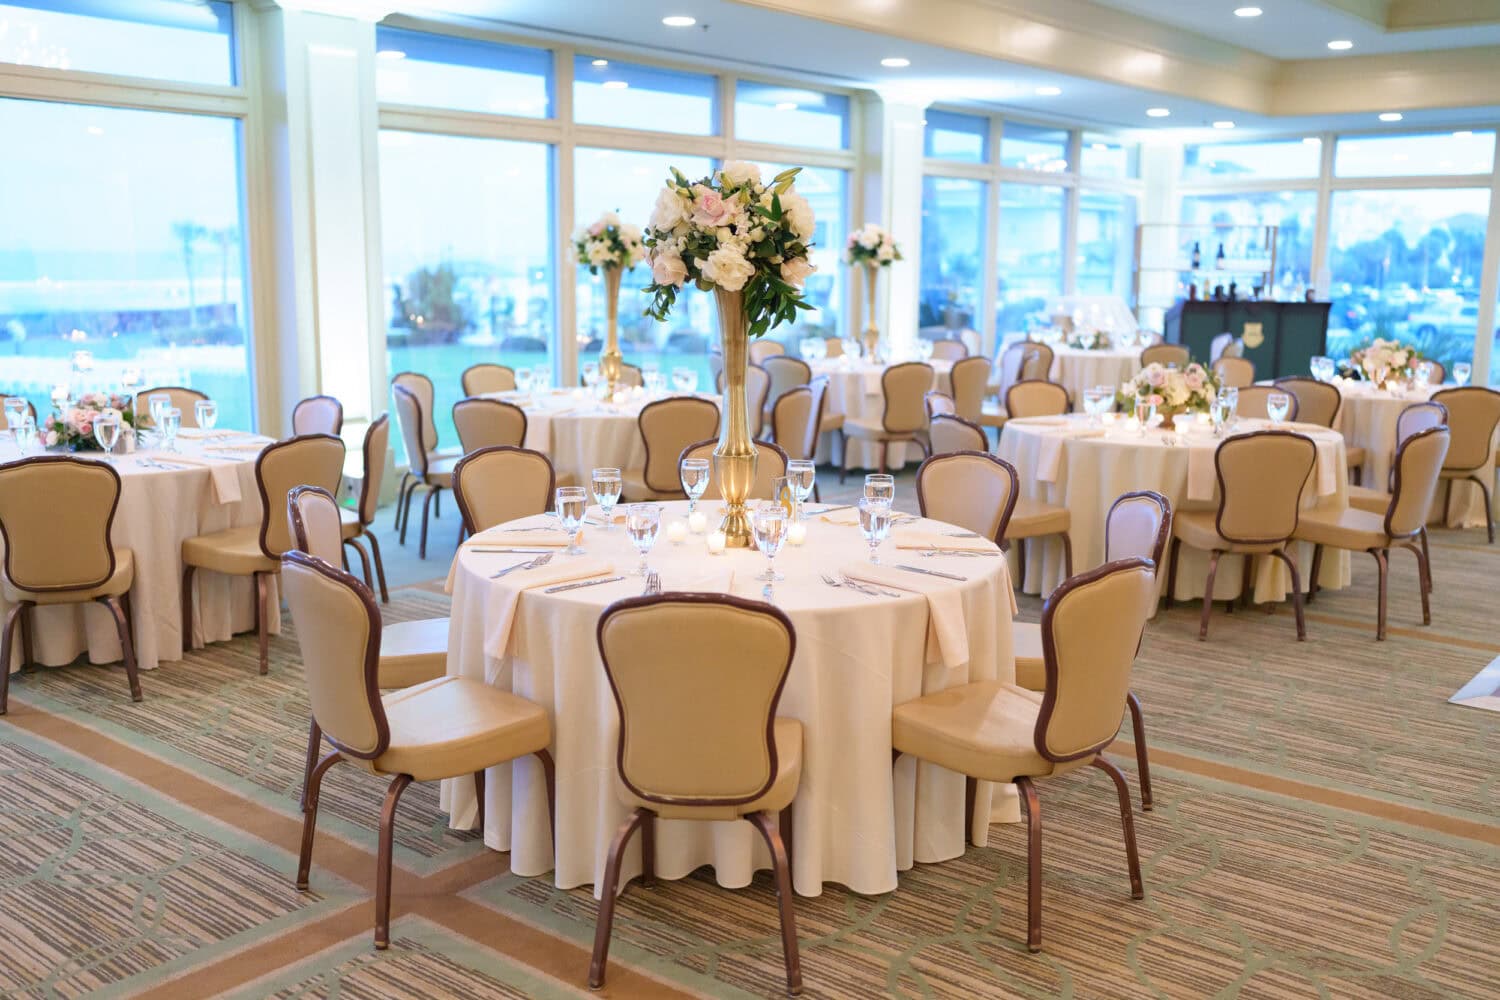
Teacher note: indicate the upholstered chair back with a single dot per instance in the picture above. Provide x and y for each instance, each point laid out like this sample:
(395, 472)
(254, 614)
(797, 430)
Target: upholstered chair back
(670, 425)
(317, 415)
(949, 350)
(313, 516)
(971, 489)
(1439, 372)
(971, 379)
(905, 386)
(790, 418)
(949, 434)
(716, 367)
(819, 387)
(487, 377)
(1234, 372)
(833, 347)
(501, 483)
(1253, 402)
(1419, 417)
(770, 464)
(409, 419)
(485, 423)
(1223, 346)
(939, 404)
(785, 373)
(1012, 361)
(631, 375)
(56, 512)
(377, 442)
(757, 391)
(307, 460)
(1261, 477)
(1317, 402)
(1165, 354)
(1137, 527)
(674, 708)
(762, 348)
(1419, 464)
(1091, 629)
(1038, 363)
(1036, 398)
(338, 630)
(183, 398)
(1473, 412)
(420, 386)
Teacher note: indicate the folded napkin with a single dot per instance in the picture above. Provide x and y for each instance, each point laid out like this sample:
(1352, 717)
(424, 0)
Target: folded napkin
(1049, 450)
(258, 444)
(1041, 421)
(500, 538)
(1203, 476)
(873, 382)
(715, 578)
(850, 518)
(913, 539)
(947, 636)
(224, 475)
(504, 594)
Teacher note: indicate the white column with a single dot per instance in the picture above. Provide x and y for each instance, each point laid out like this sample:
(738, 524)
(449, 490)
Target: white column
(1159, 204)
(893, 139)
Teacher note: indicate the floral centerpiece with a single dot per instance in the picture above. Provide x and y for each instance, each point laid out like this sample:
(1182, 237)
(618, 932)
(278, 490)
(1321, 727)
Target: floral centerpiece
(615, 247)
(1171, 390)
(74, 429)
(1090, 340)
(1381, 361)
(871, 247)
(746, 241)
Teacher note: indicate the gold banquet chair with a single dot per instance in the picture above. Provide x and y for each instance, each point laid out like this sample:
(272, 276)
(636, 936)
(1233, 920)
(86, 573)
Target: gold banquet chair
(183, 399)
(667, 426)
(358, 523)
(784, 372)
(798, 418)
(904, 417)
(501, 483)
(1413, 419)
(1254, 400)
(318, 415)
(486, 377)
(992, 731)
(56, 513)
(1319, 403)
(1261, 478)
(1036, 398)
(770, 463)
(1234, 372)
(425, 470)
(949, 350)
(485, 423)
(970, 379)
(1473, 414)
(1166, 355)
(256, 549)
(1419, 463)
(451, 727)
(972, 489)
(762, 348)
(671, 707)
(949, 434)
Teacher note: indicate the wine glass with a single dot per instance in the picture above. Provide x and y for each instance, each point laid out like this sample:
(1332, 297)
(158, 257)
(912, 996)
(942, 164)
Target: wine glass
(171, 423)
(15, 409)
(107, 432)
(802, 474)
(769, 523)
(156, 403)
(1423, 374)
(541, 378)
(1094, 400)
(694, 474)
(523, 380)
(807, 347)
(1461, 372)
(642, 522)
(1144, 410)
(655, 382)
(1277, 405)
(130, 381)
(570, 503)
(1319, 365)
(607, 485)
(851, 349)
(880, 488)
(591, 373)
(25, 432)
(206, 412)
(62, 397)
(874, 524)
(682, 383)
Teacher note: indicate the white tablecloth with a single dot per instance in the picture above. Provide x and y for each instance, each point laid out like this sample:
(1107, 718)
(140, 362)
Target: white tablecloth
(855, 390)
(159, 509)
(1062, 461)
(856, 821)
(1078, 370)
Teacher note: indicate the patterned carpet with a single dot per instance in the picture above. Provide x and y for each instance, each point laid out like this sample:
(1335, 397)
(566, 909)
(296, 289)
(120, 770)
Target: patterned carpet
(1326, 826)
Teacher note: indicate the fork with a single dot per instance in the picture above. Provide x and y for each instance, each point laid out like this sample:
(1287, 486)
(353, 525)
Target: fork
(960, 553)
(653, 583)
(867, 588)
(539, 561)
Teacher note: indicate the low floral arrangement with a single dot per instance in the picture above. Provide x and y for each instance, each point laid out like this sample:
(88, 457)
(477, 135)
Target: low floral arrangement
(1090, 340)
(872, 245)
(732, 232)
(1381, 360)
(1171, 390)
(75, 428)
(607, 243)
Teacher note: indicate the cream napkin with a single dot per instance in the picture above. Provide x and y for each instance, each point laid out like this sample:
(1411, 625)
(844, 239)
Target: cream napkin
(872, 382)
(507, 539)
(947, 636)
(1202, 475)
(224, 475)
(504, 594)
(850, 518)
(715, 578)
(1327, 471)
(936, 540)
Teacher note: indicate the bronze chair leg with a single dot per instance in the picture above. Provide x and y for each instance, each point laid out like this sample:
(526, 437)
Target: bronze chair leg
(1426, 559)
(781, 869)
(971, 791)
(385, 597)
(1247, 581)
(1384, 566)
(1142, 761)
(549, 775)
(401, 496)
(263, 621)
(1172, 555)
(383, 861)
(1033, 809)
(364, 561)
(1317, 570)
(1021, 564)
(7, 636)
(479, 797)
(1132, 858)
(1448, 503)
(648, 850)
(187, 607)
(785, 823)
(1208, 594)
(1291, 567)
(1067, 544)
(310, 815)
(1421, 581)
(426, 510)
(1489, 510)
(314, 744)
(127, 647)
(606, 917)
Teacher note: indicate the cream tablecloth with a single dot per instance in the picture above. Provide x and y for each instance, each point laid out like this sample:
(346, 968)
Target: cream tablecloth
(1063, 461)
(159, 509)
(857, 822)
(1078, 370)
(855, 390)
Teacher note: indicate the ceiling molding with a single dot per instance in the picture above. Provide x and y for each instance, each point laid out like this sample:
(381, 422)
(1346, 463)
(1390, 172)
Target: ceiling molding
(1415, 15)
(1455, 78)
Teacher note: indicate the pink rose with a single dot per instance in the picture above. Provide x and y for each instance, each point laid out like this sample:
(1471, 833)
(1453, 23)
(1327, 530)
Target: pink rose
(709, 208)
(1156, 400)
(1156, 377)
(795, 271)
(596, 228)
(1193, 380)
(668, 269)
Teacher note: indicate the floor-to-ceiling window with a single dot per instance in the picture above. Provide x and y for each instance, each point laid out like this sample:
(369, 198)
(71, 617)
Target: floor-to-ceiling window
(953, 227)
(1029, 248)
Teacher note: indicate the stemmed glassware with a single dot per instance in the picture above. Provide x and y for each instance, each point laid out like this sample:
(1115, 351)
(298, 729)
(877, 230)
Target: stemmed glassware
(1219, 412)
(523, 380)
(694, 473)
(1277, 405)
(106, 433)
(874, 524)
(1096, 401)
(206, 412)
(591, 375)
(62, 398)
(1322, 367)
(607, 485)
(769, 523)
(156, 404)
(851, 348)
(1423, 374)
(171, 423)
(880, 488)
(130, 381)
(642, 522)
(1461, 372)
(15, 410)
(684, 380)
(541, 378)
(25, 433)
(801, 473)
(1145, 409)
(570, 502)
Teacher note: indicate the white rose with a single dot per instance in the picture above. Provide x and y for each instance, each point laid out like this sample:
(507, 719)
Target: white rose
(629, 233)
(668, 269)
(738, 173)
(798, 214)
(668, 212)
(599, 253)
(886, 252)
(610, 219)
(728, 268)
(869, 237)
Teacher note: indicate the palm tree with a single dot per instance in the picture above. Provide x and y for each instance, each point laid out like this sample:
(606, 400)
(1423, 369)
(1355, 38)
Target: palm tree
(190, 233)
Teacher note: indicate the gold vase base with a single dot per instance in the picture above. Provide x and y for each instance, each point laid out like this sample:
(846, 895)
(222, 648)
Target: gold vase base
(736, 527)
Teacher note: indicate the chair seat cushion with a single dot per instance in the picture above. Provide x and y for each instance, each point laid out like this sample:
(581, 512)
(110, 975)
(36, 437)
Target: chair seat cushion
(440, 472)
(1364, 498)
(788, 736)
(992, 415)
(984, 730)
(633, 488)
(867, 429)
(1343, 529)
(1356, 456)
(1199, 529)
(831, 422)
(1033, 518)
(1031, 669)
(413, 652)
(349, 523)
(235, 551)
(118, 583)
(454, 726)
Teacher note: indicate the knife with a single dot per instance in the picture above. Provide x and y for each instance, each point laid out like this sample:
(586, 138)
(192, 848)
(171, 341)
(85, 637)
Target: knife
(581, 583)
(535, 551)
(830, 510)
(933, 572)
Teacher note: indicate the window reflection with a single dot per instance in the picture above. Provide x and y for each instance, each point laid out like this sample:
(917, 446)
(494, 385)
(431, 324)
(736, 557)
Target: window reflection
(1030, 256)
(790, 116)
(443, 71)
(1106, 243)
(1291, 211)
(1463, 152)
(1279, 158)
(629, 95)
(1030, 147)
(964, 138)
(953, 213)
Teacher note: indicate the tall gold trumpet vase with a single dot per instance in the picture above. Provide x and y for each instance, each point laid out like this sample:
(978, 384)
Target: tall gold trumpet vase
(611, 362)
(872, 332)
(735, 457)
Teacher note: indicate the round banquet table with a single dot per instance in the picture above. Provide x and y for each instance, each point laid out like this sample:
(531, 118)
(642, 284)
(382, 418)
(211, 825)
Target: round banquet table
(857, 821)
(209, 487)
(855, 390)
(580, 434)
(1077, 369)
(1063, 461)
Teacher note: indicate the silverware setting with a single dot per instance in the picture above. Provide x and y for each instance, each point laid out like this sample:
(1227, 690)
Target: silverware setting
(152, 463)
(582, 583)
(857, 586)
(830, 510)
(539, 561)
(539, 527)
(960, 553)
(934, 572)
(961, 534)
(527, 551)
(653, 583)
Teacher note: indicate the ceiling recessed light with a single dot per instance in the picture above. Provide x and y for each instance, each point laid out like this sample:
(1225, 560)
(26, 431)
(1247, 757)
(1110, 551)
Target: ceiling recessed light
(1157, 112)
(679, 21)
(1248, 12)
(1048, 91)
(895, 62)
(95, 130)
(615, 84)
(1223, 124)
(599, 62)
(1100, 147)
(787, 106)
(1391, 116)
(1341, 45)
(1466, 134)
(391, 54)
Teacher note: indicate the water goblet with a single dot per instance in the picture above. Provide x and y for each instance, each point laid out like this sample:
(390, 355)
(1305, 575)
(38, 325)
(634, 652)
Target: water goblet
(1461, 372)
(642, 522)
(880, 488)
(62, 397)
(1422, 375)
(1277, 405)
(15, 409)
(680, 379)
(1145, 409)
(874, 524)
(648, 367)
(591, 373)
(541, 378)
(171, 423)
(570, 503)
(26, 436)
(1319, 365)
(607, 485)
(802, 474)
(1232, 401)
(523, 380)
(206, 412)
(130, 381)
(654, 381)
(694, 473)
(107, 432)
(851, 347)
(769, 524)
(807, 347)
(1093, 399)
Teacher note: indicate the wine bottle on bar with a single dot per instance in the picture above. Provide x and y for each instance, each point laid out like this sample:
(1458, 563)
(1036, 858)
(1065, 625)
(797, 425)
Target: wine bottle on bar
(1197, 257)
(1219, 258)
